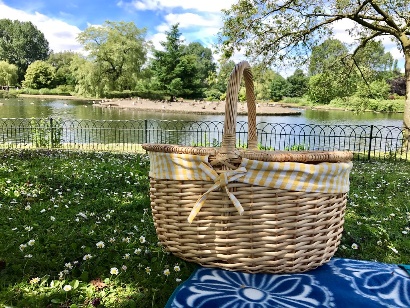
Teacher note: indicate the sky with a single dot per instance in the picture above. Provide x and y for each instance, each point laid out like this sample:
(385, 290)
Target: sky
(62, 20)
(199, 20)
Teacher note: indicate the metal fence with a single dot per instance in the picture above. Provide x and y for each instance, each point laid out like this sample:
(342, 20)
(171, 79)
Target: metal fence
(365, 141)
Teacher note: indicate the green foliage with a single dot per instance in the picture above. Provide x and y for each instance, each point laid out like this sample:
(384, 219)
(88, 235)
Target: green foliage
(8, 74)
(21, 43)
(7, 94)
(117, 53)
(165, 63)
(88, 80)
(46, 133)
(302, 101)
(262, 81)
(57, 207)
(60, 90)
(204, 62)
(279, 33)
(297, 147)
(220, 80)
(378, 89)
(61, 61)
(39, 75)
(360, 103)
(297, 84)
(327, 86)
(181, 70)
(327, 56)
(213, 95)
(374, 63)
(278, 87)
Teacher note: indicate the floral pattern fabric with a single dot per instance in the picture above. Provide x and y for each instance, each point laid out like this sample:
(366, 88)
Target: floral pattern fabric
(339, 283)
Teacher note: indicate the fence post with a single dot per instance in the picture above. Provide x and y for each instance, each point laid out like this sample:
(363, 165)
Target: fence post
(146, 130)
(370, 141)
(51, 141)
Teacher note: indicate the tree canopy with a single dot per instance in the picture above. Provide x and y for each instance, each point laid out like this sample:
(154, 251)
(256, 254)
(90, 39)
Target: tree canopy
(8, 74)
(277, 32)
(180, 70)
(39, 75)
(61, 61)
(119, 49)
(21, 43)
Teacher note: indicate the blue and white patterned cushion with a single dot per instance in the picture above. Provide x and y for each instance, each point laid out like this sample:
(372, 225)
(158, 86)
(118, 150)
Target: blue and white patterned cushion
(339, 283)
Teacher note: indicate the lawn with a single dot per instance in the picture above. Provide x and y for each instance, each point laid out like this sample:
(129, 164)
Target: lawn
(76, 228)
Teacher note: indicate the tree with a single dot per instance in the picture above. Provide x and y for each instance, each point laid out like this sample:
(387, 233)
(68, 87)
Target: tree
(204, 59)
(326, 56)
(61, 61)
(176, 72)
(297, 84)
(348, 74)
(272, 31)
(278, 87)
(262, 79)
(225, 70)
(39, 75)
(8, 74)
(398, 85)
(89, 80)
(119, 49)
(333, 71)
(21, 43)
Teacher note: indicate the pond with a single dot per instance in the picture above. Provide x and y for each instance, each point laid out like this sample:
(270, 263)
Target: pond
(79, 110)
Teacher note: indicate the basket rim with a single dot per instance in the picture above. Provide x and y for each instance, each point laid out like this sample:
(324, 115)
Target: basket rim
(314, 156)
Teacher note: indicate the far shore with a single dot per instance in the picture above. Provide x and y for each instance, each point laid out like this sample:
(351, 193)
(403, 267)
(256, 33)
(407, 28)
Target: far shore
(185, 106)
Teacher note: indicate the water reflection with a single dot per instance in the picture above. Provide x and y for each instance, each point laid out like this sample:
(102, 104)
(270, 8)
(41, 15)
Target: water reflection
(74, 109)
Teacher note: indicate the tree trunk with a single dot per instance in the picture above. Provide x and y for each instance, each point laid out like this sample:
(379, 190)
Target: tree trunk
(406, 118)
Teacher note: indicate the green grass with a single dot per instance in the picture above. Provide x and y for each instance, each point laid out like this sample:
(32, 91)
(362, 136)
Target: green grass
(58, 208)
(55, 208)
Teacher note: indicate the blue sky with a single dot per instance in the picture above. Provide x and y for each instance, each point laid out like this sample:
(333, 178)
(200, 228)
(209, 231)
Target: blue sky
(200, 20)
(61, 21)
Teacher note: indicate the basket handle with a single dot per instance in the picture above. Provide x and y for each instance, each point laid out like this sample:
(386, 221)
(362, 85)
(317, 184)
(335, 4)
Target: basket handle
(231, 109)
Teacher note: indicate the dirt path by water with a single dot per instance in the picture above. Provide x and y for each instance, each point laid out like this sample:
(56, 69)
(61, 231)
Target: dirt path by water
(186, 106)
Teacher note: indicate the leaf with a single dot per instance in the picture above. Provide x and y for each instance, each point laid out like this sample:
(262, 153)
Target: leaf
(56, 301)
(75, 284)
(84, 276)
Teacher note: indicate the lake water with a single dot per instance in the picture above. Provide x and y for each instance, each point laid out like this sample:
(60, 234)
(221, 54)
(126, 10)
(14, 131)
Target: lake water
(72, 109)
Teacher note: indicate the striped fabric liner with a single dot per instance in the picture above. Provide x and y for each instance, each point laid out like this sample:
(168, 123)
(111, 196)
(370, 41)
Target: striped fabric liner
(322, 177)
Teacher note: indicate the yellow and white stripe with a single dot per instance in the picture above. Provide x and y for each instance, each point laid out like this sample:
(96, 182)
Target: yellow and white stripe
(323, 177)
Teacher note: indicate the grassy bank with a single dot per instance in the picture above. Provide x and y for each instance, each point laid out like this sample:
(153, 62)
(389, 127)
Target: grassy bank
(357, 104)
(77, 229)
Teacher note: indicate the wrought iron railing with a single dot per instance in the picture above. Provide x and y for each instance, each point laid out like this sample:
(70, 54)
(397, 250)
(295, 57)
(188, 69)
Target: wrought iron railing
(366, 141)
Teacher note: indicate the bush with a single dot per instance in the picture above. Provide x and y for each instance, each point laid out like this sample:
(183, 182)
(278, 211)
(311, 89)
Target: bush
(358, 103)
(39, 75)
(295, 100)
(213, 95)
(278, 88)
(60, 90)
(378, 89)
(7, 94)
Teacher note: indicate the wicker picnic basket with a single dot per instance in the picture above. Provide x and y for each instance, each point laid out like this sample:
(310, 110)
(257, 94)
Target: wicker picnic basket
(246, 209)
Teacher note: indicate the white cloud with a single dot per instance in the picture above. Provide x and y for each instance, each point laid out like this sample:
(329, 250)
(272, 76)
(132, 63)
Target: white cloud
(60, 35)
(202, 6)
(188, 20)
(156, 40)
(340, 30)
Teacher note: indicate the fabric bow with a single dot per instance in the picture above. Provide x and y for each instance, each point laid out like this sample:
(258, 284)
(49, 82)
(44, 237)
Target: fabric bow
(221, 181)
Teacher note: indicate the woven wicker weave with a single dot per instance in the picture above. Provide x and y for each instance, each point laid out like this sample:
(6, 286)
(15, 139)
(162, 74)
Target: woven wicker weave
(279, 231)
